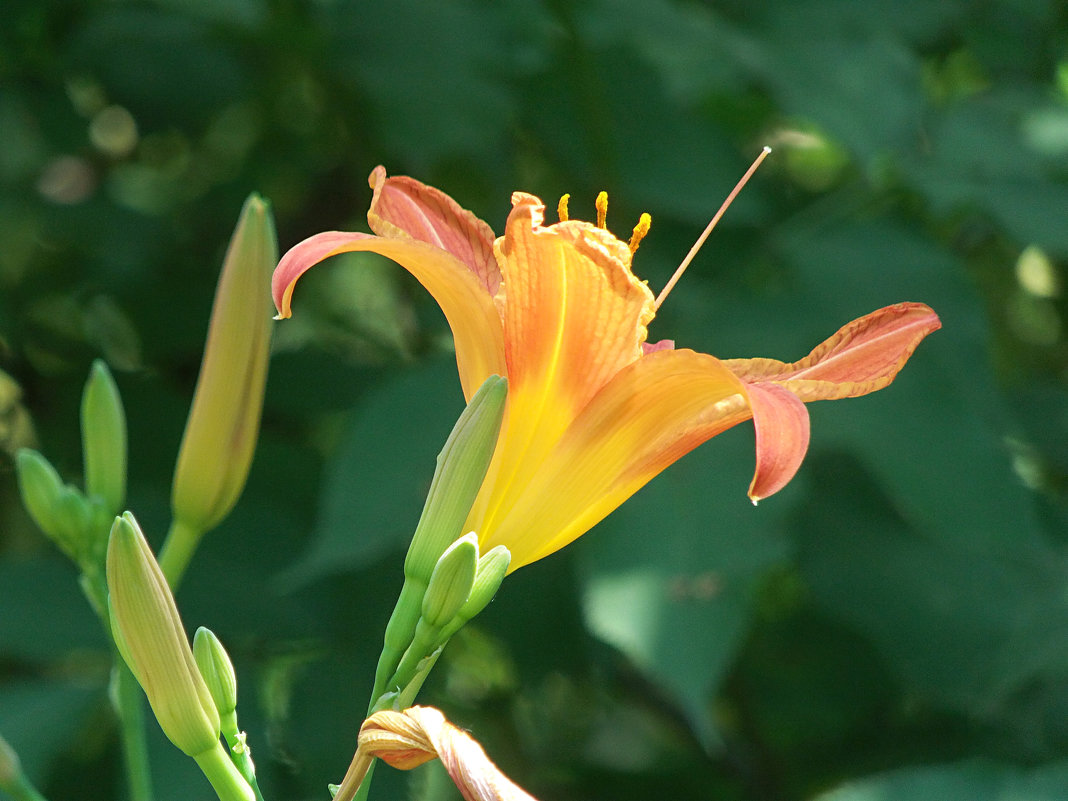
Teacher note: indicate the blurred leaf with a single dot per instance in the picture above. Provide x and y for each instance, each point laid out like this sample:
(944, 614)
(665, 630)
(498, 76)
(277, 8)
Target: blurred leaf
(402, 69)
(968, 624)
(45, 616)
(41, 719)
(670, 578)
(378, 479)
(974, 781)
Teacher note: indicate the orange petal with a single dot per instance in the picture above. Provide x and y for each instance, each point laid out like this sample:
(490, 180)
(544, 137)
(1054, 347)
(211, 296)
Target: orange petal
(468, 307)
(403, 208)
(782, 431)
(652, 413)
(574, 316)
(861, 357)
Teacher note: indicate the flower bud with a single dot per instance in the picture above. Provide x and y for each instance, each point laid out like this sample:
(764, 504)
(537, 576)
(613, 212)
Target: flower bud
(60, 511)
(217, 669)
(461, 468)
(152, 640)
(220, 435)
(450, 583)
(104, 439)
(41, 488)
(492, 568)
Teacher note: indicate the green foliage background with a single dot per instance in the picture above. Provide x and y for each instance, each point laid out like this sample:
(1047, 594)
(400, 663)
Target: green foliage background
(892, 626)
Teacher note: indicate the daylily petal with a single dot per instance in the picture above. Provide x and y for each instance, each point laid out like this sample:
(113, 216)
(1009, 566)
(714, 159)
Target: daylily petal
(403, 208)
(782, 431)
(649, 415)
(861, 357)
(468, 306)
(574, 316)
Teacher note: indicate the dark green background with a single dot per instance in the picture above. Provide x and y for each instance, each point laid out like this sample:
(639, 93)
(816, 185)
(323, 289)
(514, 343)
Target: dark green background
(893, 626)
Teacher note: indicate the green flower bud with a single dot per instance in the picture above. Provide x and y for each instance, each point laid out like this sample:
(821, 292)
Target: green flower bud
(152, 640)
(41, 488)
(492, 568)
(450, 583)
(220, 435)
(461, 468)
(104, 439)
(217, 669)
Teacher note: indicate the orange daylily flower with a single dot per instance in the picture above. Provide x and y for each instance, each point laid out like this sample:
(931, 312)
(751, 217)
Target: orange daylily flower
(593, 411)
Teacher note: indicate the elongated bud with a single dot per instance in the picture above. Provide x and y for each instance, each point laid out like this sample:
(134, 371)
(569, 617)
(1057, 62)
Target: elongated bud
(450, 583)
(104, 439)
(220, 435)
(461, 468)
(217, 669)
(153, 641)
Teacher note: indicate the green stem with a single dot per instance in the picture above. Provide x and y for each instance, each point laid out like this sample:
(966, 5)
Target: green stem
(224, 776)
(130, 708)
(178, 549)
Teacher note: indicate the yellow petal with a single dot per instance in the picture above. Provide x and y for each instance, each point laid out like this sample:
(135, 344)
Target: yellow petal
(574, 316)
(652, 413)
(468, 306)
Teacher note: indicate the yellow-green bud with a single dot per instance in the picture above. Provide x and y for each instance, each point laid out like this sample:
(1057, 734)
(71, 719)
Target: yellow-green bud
(217, 669)
(104, 439)
(41, 488)
(492, 568)
(153, 641)
(461, 468)
(220, 435)
(450, 583)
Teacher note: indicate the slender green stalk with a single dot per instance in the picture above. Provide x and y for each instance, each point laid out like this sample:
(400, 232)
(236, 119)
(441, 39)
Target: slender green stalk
(177, 551)
(129, 704)
(224, 776)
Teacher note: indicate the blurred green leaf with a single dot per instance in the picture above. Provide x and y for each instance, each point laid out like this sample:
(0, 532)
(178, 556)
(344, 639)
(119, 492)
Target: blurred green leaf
(670, 578)
(377, 481)
(975, 781)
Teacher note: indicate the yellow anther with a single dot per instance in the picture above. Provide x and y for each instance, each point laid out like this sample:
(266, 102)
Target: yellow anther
(602, 209)
(640, 230)
(561, 207)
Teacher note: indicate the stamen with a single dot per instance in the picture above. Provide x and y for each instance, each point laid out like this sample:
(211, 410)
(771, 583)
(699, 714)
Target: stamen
(602, 209)
(708, 229)
(640, 230)
(561, 207)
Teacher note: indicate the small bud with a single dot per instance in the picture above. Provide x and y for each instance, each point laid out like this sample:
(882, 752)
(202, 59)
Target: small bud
(104, 439)
(153, 641)
(492, 568)
(220, 435)
(217, 669)
(41, 488)
(450, 583)
(62, 512)
(462, 466)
